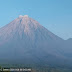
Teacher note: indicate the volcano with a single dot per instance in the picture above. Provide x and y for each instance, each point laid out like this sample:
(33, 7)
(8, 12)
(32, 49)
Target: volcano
(24, 40)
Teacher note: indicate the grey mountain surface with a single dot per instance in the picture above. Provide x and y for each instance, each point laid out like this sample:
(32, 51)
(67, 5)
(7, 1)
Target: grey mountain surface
(24, 40)
(66, 47)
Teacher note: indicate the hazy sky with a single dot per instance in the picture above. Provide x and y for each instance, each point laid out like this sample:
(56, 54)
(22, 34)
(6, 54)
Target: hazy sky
(55, 15)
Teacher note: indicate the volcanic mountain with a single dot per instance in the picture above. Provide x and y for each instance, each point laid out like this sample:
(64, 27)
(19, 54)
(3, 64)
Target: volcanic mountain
(25, 40)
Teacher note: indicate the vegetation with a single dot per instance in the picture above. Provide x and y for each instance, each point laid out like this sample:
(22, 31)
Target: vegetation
(36, 68)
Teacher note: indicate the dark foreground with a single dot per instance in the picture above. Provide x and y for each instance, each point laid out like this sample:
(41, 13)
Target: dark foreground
(31, 68)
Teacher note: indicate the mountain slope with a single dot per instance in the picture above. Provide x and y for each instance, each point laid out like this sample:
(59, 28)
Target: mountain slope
(25, 40)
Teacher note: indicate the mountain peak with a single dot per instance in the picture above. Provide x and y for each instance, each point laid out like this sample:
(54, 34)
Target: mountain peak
(25, 16)
(26, 22)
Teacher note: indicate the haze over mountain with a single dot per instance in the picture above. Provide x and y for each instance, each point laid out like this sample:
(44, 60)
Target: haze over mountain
(24, 40)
